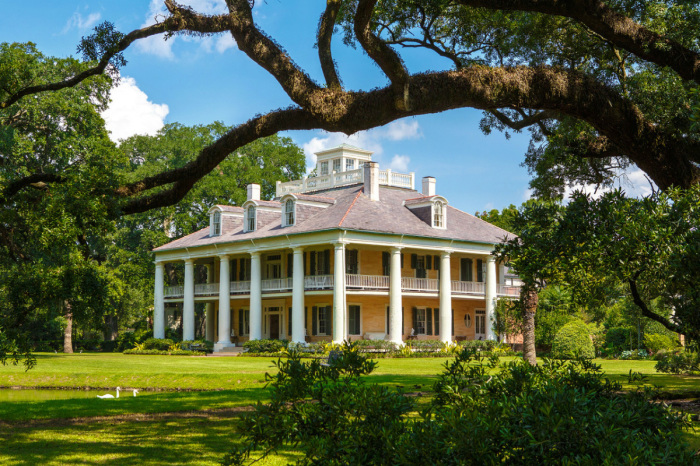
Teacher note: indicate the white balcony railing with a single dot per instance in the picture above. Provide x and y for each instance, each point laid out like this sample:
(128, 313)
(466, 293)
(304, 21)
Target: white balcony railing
(277, 284)
(318, 282)
(335, 179)
(174, 291)
(419, 284)
(366, 282)
(467, 287)
(240, 287)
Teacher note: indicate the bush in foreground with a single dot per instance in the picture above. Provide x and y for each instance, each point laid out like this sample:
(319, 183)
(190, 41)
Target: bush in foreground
(561, 412)
(573, 341)
(683, 362)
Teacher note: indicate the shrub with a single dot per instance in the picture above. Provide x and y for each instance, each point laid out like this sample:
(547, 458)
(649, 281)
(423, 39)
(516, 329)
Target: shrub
(573, 341)
(126, 340)
(176, 352)
(656, 342)
(560, 412)
(383, 345)
(684, 362)
(265, 346)
(160, 344)
(619, 339)
(634, 354)
(479, 345)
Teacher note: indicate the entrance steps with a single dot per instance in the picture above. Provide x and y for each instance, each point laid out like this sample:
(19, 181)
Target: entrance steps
(228, 351)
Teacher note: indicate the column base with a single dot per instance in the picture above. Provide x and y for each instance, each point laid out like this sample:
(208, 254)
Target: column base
(220, 346)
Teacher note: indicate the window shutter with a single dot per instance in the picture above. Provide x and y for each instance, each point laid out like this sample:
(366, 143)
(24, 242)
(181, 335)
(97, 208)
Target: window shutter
(314, 320)
(428, 262)
(437, 321)
(312, 259)
(479, 270)
(403, 331)
(401, 260)
(233, 270)
(327, 262)
(436, 260)
(290, 265)
(329, 320)
(385, 263)
(305, 268)
(415, 320)
(387, 319)
(240, 323)
(428, 321)
(289, 322)
(414, 260)
(453, 322)
(241, 273)
(306, 309)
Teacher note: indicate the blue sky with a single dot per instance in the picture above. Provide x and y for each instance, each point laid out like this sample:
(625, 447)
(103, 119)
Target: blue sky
(197, 81)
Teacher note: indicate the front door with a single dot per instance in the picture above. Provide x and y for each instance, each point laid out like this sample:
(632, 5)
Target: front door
(275, 326)
(480, 325)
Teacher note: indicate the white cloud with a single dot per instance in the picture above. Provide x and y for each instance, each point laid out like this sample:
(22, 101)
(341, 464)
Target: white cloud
(370, 140)
(157, 45)
(633, 182)
(527, 194)
(130, 112)
(400, 163)
(78, 22)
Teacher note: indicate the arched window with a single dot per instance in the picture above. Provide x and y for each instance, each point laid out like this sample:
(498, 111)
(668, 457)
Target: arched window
(251, 218)
(289, 212)
(439, 215)
(216, 224)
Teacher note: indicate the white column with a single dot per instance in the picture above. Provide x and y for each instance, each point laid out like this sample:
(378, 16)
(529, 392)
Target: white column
(395, 310)
(255, 296)
(490, 285)
(209, 333)
(445, 298)
(158, 304)
(298, 335)
(224, 303)
(339, 294)
(188, 302)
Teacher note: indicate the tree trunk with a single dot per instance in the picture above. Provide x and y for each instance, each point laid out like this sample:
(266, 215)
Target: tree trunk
(68, 332)
(529, 299)
(111, 328)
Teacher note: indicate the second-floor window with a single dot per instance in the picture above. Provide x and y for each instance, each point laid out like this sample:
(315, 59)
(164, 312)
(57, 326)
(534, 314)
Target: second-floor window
(289, 213)
(336, 165)
(216, 224)
(351, 262)
(324, 168)
(349, 164)
(251, 219)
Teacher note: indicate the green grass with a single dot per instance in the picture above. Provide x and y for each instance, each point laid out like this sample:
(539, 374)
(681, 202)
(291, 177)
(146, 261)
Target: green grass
(136, 431)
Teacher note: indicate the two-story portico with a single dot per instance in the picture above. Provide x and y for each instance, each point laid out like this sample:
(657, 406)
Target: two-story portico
(347, 254)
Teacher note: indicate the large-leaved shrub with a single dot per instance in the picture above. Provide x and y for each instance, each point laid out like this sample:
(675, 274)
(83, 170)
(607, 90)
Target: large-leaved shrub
(160, 344)
(573, 341)
(265, 346)
(683, 362)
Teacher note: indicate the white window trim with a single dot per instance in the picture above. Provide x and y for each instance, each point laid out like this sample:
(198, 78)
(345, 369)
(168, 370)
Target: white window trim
(480, 312)
(214, 223)
(347, 312)
(340, 165)
(321, 167)
(245, 309)
(247, 220)
(285, 220)
(425, 321)
(444, 214)
(318, 315)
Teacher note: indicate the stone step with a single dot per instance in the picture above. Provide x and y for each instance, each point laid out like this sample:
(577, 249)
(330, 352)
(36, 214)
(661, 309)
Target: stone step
(228, 351)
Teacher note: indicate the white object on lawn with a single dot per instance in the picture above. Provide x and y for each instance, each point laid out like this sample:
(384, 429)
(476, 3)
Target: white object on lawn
(135, 392)
(108, 395)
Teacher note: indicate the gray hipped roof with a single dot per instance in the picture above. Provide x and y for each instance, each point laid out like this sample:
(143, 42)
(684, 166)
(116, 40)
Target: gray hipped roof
(353, 210)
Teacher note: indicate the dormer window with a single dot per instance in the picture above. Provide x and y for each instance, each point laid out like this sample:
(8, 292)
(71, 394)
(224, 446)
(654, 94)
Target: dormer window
(250, 221)
(216, 224)
(324, 168)
(289, 213)
(438, 214)
(349, 164)
(336, 165)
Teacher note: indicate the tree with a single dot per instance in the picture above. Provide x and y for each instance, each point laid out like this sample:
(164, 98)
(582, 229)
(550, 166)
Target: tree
(601, 84)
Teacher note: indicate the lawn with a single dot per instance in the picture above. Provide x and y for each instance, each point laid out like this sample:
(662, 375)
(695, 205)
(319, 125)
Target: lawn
(187, 404)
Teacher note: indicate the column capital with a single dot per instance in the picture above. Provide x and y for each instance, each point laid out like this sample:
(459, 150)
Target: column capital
(396, 248)
(189, 261)
(446, 253)
(298, 249)
(491, 258)
(338, 244)
(254, 253)
(224, 257)
(159, 263)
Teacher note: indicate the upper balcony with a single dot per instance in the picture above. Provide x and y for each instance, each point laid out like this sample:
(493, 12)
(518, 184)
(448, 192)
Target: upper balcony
(353, 282)
(337, 179)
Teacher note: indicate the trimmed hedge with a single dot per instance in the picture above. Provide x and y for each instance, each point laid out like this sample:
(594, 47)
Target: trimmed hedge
(573, 341)
(160, 344)
(166, 353)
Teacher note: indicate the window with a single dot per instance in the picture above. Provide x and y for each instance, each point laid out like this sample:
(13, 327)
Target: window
(289, 213)
(251, 218)
(349, 164)
(244, 270)
(321, 320)
(421, 264)
(438, 214)
(320, 262)
(425, 319)
(216, 224)
(480, 324)
(243, 322)
(336, 165)
(351, 263)
(465, 269)
(468, 320)
(273, 266)
(480, 270)
(354, 327)
(324, 168)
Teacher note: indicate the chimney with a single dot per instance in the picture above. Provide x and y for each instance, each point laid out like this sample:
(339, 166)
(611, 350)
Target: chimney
(253, 192)
(428, 186)
(372, 180)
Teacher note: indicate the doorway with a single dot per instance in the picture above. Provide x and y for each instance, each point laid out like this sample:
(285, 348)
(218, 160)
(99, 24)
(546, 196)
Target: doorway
(275, 326)
(480, 325)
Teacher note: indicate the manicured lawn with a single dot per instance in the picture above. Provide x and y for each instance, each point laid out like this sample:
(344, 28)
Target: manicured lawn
(169, 423)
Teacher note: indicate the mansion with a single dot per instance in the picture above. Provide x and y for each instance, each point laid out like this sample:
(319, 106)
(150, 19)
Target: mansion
(353, 252)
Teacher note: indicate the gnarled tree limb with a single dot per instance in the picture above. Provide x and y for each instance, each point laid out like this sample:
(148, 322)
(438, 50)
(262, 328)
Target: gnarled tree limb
(325, 34)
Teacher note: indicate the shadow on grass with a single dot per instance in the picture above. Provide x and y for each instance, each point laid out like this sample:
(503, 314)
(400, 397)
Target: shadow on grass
(145, 403)
(182, 441)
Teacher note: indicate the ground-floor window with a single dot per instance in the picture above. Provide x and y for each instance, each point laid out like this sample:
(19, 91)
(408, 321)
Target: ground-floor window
(426, 321)
(480, 324)
(354, 324)
(243, 322)
(321, 320)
